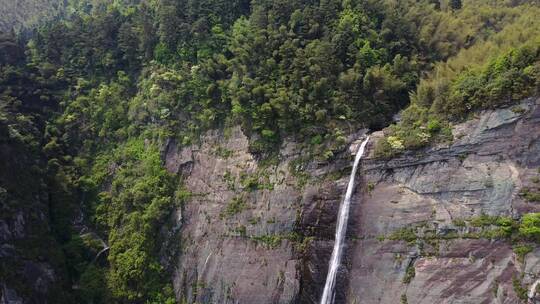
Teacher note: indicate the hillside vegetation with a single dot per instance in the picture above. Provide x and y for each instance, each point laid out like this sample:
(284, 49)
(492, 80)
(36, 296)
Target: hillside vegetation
(98, 93)
(25, 14)
(502, 68)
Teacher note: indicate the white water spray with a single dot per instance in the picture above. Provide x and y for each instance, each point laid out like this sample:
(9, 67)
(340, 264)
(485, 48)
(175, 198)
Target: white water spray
(341, 229)
(532, 290)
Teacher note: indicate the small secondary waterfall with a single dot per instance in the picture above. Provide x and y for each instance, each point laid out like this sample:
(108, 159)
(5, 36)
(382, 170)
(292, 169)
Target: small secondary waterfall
(532, 290)
(341, 229)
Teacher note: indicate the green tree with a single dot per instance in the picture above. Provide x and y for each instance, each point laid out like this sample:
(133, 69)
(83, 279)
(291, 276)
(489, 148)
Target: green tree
(530, 226)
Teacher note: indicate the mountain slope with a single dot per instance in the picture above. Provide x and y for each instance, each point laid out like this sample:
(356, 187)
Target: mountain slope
(24, 14)
(167, 151)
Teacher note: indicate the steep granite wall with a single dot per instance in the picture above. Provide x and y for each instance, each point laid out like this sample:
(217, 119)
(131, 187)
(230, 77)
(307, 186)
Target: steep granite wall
(236, 226)
(243, 236)
(482, 172)
(262, 231)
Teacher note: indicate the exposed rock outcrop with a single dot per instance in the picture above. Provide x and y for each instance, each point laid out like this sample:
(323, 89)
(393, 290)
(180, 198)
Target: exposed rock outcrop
(482, 172)
(238, 224)
(255, 232)
(30, 267)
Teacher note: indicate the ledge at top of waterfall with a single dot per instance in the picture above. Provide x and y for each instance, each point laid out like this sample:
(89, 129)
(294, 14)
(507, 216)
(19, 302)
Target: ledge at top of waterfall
(341, 229)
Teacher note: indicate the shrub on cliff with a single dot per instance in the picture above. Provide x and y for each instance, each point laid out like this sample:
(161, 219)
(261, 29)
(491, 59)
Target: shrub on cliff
(530, 226)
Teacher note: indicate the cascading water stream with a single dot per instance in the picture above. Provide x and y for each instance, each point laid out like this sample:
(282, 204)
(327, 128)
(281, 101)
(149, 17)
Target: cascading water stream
(532, 291)
(341, 229)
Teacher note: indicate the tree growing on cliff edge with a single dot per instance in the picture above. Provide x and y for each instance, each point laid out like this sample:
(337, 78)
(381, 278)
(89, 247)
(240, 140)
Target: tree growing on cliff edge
(530, 226)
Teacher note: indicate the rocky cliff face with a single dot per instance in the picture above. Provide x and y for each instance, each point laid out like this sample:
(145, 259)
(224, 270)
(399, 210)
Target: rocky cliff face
(31, 267)
(493, 157)
(262, 231)
(237, 226)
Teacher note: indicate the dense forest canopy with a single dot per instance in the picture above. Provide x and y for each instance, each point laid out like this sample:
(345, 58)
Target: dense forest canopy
(92, 97)
(25, 14)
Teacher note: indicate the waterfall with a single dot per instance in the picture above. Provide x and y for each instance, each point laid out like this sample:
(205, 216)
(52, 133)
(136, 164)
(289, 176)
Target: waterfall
(341, 229)
(532, 290)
